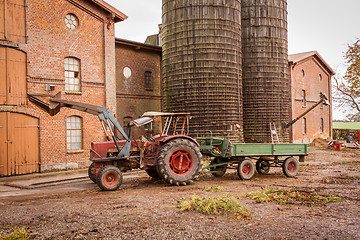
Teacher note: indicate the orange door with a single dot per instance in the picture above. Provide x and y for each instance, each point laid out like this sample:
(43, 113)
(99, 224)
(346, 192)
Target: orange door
(12, 76)
(3, 144)
(12, 20)
(21, 145)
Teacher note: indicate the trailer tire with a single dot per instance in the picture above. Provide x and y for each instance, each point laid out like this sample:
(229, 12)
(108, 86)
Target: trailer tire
(109, 178)
(219, 171)
(91, 175)
(246, 169)
(290, 167)
(153, 173)
(262, 166)
(179, 162)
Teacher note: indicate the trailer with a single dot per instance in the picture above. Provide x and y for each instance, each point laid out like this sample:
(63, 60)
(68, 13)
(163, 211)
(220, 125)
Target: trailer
(265, 155)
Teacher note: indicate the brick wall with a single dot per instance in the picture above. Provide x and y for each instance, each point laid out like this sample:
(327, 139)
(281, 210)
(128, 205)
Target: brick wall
(133, 99)
(313, 85)
(49, 41)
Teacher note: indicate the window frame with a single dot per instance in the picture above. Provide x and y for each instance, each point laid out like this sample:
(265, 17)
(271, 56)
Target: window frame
(76, 74)
(148, 80)
(70, 129)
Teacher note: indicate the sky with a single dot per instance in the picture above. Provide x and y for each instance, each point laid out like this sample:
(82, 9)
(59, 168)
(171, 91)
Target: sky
(326, 26)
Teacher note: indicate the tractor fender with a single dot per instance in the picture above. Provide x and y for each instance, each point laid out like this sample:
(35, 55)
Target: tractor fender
(168, 138)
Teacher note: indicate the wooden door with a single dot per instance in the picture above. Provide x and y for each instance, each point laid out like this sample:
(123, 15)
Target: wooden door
(21, 145)
(12, 20)
(12, 76)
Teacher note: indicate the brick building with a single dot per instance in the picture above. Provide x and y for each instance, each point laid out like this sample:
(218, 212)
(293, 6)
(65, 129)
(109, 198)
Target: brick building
(48, 47)
(310, 75)
(138, 84)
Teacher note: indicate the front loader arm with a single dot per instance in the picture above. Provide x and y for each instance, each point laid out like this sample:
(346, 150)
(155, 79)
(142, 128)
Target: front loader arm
(107, 119)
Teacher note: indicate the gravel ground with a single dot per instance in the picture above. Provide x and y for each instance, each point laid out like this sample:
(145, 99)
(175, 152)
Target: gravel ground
(146, 209)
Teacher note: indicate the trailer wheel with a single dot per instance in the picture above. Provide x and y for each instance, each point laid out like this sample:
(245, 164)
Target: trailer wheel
(109, 178)
(91, 175)
(262, 166)
(153, 173)
(290, 167)
(179, 162)
(218, 171)
(246, 169)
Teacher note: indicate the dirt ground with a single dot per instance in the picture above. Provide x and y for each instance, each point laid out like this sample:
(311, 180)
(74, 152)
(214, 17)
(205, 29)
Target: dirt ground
(146, 209)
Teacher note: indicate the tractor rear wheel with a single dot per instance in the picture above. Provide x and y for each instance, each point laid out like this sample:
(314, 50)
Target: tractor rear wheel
(109, 178)
(246, 169)
(91, 175)
(179, 161)
(152, 173)
(218, 171)
(290, 167)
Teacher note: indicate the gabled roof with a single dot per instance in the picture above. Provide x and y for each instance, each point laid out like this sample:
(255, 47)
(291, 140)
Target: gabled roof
(296, 58)
(138, 45)
(118, 16)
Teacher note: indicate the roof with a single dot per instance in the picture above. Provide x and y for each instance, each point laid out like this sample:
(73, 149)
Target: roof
(162, 114)
(137, 45)
(118, 16)
(299, 57)
(346, 125)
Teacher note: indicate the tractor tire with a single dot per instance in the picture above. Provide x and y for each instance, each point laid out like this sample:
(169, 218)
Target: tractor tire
(290, 167)
(153, 173)
(218, 171)
(91, 175)
(262, 166)
(109, 178)
(179, 162)
(246, 169)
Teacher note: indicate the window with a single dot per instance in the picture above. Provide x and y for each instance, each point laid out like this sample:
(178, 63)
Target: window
(127, 72)
(71, 21)
(72, 74)
(303, 98)
(127, 129)
(304, 125)
(73, 133)
(148, 83)
(321, 125)
(303, 73)
(320, 77)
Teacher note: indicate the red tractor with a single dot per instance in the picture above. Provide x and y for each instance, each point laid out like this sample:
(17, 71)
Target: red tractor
(165, 152)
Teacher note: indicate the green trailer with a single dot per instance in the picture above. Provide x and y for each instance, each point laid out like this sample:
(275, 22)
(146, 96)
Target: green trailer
(266, 155)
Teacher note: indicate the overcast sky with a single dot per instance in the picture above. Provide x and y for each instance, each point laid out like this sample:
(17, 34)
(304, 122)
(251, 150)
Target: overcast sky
(326, 26)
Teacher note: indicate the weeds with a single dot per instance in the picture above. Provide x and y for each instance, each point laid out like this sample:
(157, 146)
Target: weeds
(283, 196)
(18, 234)
(226, 205)
(341, 180)
(214, 189)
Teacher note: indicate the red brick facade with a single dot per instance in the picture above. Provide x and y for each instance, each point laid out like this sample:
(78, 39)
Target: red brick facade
(310, 75)
(132, 96)
(48, 42)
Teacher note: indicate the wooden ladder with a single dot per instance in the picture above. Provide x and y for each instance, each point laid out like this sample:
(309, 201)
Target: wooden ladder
(273, 133)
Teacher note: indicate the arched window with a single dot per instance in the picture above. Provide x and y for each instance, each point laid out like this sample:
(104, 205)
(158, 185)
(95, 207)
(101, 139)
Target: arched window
(73, 133)
(303, 98)
(304, 125)
(72, 74)
(321, 125)
(148, 82)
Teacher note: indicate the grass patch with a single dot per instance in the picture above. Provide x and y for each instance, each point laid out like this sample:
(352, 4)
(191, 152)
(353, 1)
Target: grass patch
(214, 189)
(283, 196)
(226, 205)
(18, 234)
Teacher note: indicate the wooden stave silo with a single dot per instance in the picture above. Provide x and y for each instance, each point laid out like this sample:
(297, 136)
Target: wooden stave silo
(201, 64)
(266, 86)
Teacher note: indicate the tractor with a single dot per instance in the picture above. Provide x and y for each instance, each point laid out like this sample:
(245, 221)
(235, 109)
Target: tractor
(165, 151)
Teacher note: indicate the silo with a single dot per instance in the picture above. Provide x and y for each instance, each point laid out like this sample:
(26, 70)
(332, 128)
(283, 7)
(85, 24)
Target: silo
(201, 64)
(266, 88)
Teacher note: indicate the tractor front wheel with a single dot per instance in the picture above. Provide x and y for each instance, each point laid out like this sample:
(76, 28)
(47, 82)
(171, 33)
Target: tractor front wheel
(246, 169)
(179, 162)
(109, 178)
